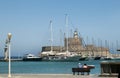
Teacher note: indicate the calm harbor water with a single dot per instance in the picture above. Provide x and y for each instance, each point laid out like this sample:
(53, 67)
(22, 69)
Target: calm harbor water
(46, 67)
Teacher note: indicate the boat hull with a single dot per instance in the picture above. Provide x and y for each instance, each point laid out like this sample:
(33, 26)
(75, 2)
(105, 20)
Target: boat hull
(83, 59)
(32, 59)
(97, 58)
(59, 59)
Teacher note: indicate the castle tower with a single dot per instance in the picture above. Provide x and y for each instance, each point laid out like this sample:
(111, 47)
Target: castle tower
(75, 34)
(74, 43)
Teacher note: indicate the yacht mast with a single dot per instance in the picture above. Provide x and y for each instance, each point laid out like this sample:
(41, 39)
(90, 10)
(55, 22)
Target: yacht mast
(101, 48)
(116, 47)
(60, 40)
(106, 45)
(66, 23)
(51, 36)
(93, 43)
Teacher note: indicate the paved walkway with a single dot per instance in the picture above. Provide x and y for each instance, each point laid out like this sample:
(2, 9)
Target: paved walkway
(51, 76)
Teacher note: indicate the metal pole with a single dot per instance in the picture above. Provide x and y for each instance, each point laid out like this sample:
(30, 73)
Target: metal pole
(9, 66)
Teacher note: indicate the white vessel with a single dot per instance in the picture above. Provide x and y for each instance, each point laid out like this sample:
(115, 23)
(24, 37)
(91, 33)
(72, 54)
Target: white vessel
(31, 57)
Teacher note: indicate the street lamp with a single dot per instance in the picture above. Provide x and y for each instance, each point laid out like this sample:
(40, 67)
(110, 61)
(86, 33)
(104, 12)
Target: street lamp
(9, 66)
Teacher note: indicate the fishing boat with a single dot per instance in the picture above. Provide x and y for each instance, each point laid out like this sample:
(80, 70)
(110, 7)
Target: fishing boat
(31, 57)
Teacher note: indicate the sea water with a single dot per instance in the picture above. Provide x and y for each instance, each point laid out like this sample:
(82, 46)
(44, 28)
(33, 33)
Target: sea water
(46, 67)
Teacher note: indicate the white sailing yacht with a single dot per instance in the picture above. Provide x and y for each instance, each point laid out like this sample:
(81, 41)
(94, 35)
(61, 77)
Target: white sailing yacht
(51, 52)
(60, 56)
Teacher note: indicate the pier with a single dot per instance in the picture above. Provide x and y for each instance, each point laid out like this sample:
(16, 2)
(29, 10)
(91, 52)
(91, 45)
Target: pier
(51, 76)
(110, 69)
(2, 60)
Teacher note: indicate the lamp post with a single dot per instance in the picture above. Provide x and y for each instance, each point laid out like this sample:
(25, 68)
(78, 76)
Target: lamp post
(9, 66)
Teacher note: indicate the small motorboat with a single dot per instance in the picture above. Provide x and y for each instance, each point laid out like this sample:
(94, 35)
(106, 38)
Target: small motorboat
(31, 57)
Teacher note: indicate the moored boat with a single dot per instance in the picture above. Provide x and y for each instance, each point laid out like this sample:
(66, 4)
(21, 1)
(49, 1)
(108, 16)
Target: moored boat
(31, 57)
(61, 58)
(83, 59)
(60, 55)
(107, 58)
(97, 58)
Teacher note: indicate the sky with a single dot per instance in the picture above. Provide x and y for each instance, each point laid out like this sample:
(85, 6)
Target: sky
(29, 22)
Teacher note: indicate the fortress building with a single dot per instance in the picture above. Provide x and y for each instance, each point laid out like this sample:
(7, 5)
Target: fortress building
(75, 44)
